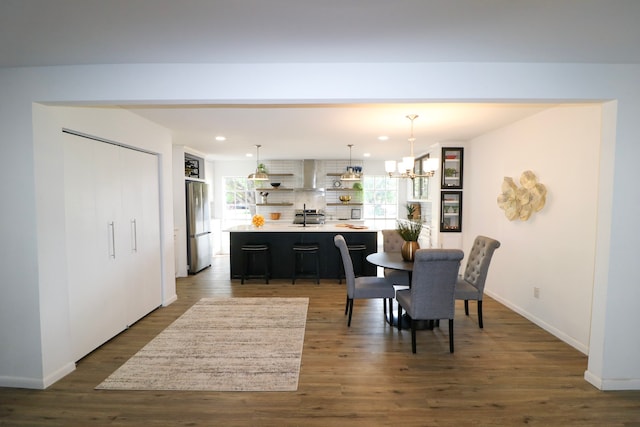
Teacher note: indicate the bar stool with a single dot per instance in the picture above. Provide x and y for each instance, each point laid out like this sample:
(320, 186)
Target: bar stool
(300, 250)
(356, 247)
(249, 254)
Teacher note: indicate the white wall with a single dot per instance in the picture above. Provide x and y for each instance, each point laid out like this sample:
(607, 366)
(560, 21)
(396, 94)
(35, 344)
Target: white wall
(555, 249)
(612, 354)
(179, 212)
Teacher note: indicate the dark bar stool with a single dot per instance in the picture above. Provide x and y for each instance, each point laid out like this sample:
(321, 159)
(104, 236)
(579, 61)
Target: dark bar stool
(249, 254)
(356, 247)
(300, 251)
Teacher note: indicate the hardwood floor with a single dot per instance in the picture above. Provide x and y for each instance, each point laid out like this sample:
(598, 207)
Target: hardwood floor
(510, 373)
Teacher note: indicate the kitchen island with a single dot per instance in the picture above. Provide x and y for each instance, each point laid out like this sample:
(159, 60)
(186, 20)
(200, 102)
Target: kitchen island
(282, 237)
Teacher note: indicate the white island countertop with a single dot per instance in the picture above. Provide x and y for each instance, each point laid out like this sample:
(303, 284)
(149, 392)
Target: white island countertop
(272, 227)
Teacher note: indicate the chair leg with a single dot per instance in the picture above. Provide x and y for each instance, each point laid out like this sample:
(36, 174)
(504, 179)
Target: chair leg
(413, 336)
(466, 307)
(480, 314)
(450, 335)
(399, 316)
(350, 312)
(346, 307)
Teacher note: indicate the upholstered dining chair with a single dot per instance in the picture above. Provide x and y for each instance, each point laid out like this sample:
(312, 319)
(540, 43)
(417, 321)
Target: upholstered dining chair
(432, 293)
(364, 286)
(471, 285)
(392, 242)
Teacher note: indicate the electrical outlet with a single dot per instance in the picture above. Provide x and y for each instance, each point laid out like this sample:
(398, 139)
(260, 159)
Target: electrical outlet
(536, 292)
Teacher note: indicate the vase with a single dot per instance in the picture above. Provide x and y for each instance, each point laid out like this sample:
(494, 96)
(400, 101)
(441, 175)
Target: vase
(409, 249)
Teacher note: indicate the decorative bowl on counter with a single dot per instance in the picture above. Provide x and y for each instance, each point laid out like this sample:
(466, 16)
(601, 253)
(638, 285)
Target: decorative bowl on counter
(275, 184)
(345, 199)
(274, 215)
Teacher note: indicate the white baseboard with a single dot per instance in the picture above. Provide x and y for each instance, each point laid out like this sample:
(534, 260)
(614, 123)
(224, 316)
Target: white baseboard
(606, 385)
(584, 349)
(37, 383)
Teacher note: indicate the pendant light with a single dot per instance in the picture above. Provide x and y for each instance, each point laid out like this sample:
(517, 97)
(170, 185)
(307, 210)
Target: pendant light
(350, 175)
(259, 174)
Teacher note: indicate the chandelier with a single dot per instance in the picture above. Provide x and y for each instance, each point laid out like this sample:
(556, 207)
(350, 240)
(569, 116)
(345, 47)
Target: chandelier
(260, 174)
(405, 168)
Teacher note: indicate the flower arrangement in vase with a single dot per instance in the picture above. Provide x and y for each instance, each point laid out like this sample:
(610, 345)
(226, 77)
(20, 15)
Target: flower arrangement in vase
(410, 232)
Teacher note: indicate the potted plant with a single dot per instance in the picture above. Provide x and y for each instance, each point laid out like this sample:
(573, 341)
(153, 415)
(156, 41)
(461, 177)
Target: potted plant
(409, 231)
(450, 172)
(411, 208)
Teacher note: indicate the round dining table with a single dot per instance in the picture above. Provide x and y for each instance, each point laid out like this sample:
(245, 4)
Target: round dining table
(392, 260)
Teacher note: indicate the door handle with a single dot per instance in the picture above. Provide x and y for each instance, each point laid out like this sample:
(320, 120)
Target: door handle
(112, 250)
(134, 236)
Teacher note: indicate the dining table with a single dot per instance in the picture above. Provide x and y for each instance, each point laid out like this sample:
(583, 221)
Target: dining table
(392, 260)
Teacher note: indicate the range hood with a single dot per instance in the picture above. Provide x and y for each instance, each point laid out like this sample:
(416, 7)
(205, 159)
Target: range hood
(310, 176)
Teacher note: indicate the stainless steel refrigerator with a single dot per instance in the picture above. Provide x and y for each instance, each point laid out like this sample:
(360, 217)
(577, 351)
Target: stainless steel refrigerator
(198, 226)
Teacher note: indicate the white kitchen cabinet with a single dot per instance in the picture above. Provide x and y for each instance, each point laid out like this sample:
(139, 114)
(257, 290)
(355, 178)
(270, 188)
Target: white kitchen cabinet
(112, 239)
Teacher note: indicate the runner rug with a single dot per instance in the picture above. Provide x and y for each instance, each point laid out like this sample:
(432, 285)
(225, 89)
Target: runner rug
(222, 344)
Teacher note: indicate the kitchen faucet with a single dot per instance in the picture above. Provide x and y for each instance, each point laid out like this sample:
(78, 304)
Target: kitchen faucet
(304, 214)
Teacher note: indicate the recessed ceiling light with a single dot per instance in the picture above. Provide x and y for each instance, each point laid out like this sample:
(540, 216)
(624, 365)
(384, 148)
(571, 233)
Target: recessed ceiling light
(249, 154)
(367, 154)
(221, 138)
(383, 138)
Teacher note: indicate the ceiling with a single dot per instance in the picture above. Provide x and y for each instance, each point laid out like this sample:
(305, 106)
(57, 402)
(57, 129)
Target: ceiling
(73, 32)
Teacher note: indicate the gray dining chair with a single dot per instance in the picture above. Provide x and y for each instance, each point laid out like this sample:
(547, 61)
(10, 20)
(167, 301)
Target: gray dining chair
(392, 242)
(431, 296)
(364, 286)
(471, 285)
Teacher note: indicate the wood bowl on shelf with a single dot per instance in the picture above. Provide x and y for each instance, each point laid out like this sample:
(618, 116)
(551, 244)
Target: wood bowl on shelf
(345, 199)
(274, 215)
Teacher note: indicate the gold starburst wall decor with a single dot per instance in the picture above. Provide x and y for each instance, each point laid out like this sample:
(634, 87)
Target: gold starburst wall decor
(521, 202)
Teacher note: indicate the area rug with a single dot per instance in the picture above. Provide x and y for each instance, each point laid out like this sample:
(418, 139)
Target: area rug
(222, 344)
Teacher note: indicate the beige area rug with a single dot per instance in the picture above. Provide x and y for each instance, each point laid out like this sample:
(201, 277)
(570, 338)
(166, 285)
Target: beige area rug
(222, 344)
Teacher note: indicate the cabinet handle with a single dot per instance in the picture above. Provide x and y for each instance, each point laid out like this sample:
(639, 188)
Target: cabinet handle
(134, 236)
(112, 249)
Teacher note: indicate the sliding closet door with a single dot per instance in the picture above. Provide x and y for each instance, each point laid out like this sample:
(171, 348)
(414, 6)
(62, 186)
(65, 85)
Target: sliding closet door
(112, 239)
(93, 202)
(140, 208)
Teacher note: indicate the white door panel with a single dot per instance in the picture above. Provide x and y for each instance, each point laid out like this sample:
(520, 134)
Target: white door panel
(112, 239)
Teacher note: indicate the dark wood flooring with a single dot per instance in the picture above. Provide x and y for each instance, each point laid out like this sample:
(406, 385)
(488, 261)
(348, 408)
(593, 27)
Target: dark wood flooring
(509, 373)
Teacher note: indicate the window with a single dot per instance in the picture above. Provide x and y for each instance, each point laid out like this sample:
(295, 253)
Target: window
(380, 197)
(239, 197)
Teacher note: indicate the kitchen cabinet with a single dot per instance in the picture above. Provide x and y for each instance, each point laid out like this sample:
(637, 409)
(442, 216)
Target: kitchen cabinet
(282, 238)
(112, 239)
(452, 167)
(193, 166)
(450, 211)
